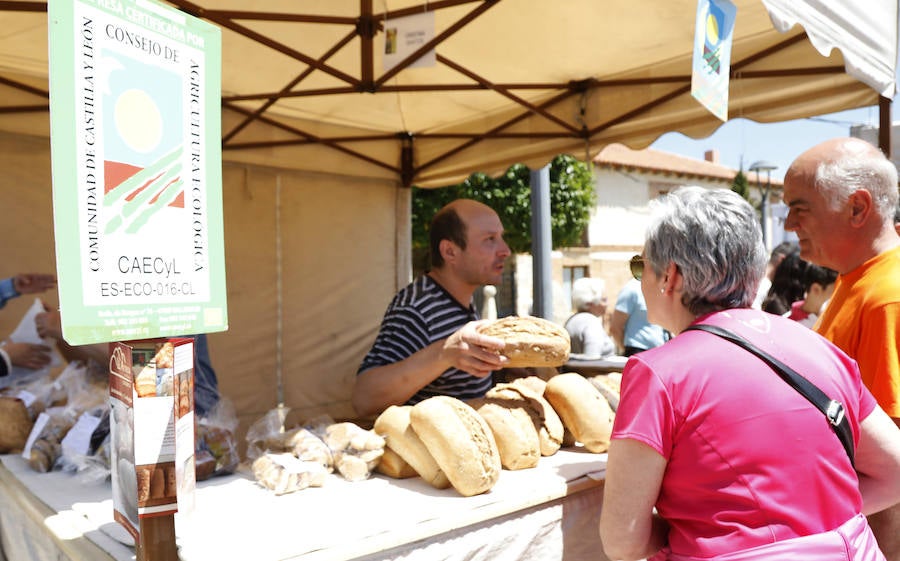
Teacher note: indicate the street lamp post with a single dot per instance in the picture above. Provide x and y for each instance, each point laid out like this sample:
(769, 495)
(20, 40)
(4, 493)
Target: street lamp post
(767, 167)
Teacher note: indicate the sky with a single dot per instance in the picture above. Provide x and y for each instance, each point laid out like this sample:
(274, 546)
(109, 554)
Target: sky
(740, 140)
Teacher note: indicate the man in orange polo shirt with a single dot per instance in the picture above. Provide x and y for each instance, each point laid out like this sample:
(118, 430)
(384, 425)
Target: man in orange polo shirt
(842, 196)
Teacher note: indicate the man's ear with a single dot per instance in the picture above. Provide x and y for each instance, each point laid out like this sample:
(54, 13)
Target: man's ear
(861, 207)
(449, 250)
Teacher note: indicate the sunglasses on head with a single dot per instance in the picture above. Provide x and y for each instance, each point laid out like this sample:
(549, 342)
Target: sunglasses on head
(637, 267)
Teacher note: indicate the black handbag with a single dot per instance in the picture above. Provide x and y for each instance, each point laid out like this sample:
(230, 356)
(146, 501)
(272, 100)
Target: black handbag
(832, 409)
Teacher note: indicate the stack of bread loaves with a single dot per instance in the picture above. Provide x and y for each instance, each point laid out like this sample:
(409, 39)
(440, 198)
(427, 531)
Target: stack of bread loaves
(449, 442)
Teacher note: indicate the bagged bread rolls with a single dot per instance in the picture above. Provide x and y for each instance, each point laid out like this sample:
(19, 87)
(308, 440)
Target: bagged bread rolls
(513, 428)
(530, 341)
(400, 437)
(582, 408)
(460, 441)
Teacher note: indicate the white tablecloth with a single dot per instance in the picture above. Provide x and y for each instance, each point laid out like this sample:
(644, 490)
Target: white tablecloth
(549, 512)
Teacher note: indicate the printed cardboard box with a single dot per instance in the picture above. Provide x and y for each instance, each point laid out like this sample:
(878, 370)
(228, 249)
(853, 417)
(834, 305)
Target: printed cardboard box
(151, 391)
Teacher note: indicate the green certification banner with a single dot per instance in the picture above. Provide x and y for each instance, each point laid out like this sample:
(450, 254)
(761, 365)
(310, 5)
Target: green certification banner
(135, 116)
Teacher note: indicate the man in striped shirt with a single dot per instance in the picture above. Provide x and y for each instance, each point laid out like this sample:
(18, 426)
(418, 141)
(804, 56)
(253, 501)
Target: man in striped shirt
(428, 343)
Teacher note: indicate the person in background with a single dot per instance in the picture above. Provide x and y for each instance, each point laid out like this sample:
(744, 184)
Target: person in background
(709, 444)
(26, 355)
(842, 199)
(629, 326)
(589, 340)
(787, 283)
(428, 343)
(765, 284)
(25, 283)
(818, 283)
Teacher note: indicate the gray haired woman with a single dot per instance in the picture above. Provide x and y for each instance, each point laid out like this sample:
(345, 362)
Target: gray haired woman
(709, 443)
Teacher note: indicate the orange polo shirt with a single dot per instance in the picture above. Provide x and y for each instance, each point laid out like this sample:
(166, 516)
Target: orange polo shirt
(863, 319)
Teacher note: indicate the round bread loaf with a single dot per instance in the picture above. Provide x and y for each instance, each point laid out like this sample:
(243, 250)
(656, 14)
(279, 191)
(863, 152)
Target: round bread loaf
(546, 421)
(582, 408)
(392, 465)
(514, 430)
(393, 424)
(460, 441)
(530, 341)
(15, 424)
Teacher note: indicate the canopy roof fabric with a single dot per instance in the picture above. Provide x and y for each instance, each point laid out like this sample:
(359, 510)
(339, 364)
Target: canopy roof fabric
(514, 80)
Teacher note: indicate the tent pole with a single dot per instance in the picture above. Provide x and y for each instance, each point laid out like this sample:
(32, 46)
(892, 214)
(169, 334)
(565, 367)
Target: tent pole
(542, 305)
(884, 125)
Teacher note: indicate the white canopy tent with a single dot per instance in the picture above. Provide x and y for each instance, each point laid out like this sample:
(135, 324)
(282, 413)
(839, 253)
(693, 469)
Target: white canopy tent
(319, 141)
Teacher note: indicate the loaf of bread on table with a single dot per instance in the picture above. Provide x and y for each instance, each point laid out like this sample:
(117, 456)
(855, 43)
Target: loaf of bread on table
(460, 441)
(549, 426)
(392, 465)
(530, 341)
(582, 408)
(15, 424)
(393, 424)
(515, 432)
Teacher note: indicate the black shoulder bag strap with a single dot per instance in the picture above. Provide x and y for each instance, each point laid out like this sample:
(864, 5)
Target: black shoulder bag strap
(832, 409)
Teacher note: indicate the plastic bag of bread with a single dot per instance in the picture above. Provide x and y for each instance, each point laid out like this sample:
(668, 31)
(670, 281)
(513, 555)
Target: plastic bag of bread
(266, 434)
(49, 430)
(284, 473)
(215, 439)
(356, 451)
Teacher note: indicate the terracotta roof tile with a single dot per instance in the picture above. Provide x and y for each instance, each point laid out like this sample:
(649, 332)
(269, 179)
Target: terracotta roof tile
(618, 156)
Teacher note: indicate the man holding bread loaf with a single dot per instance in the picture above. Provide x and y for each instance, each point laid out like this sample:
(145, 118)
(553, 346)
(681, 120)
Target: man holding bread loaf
(428, 343)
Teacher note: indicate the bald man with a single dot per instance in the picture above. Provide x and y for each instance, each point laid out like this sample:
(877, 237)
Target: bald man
(842, 196)
(428, 344)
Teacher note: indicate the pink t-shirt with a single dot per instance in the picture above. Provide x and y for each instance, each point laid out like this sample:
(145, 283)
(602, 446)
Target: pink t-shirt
(749, 460)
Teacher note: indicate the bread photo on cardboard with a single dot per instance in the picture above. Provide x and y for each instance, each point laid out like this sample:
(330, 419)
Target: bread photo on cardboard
(530, 341)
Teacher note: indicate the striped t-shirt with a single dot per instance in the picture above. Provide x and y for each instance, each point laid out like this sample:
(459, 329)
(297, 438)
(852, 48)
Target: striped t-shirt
(419, 315)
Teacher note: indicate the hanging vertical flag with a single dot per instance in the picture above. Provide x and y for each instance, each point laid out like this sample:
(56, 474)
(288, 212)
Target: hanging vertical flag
(712, 55)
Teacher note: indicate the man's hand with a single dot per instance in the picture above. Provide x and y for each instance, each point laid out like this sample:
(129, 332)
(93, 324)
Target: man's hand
(28, 355)
(472, 352)
(49, 324)
(32, 283)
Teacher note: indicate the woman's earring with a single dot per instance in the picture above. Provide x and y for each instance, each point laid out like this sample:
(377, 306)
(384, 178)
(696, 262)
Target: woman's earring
(662, 290)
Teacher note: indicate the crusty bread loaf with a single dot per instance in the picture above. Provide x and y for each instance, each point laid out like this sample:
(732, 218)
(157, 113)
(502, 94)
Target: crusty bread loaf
(609, 388)
(15, 424)
(530, 341)
(582, 408)
(545, 419)
(461, 442)
(393, 424)
(392, 465)
(514, 430)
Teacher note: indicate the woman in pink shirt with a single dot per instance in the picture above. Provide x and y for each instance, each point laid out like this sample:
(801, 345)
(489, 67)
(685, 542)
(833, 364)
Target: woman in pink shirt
(714, 456)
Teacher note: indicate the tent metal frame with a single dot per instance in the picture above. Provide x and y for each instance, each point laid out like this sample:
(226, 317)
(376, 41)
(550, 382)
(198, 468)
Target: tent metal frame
(365, 27)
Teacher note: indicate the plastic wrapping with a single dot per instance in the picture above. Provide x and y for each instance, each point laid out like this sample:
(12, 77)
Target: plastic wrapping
(216, 451)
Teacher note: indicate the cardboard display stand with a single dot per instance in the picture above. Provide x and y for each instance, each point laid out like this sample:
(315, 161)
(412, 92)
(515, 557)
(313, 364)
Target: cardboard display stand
(151, 388)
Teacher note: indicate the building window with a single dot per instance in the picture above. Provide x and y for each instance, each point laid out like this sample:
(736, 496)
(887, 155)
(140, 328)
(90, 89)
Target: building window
(570, 275)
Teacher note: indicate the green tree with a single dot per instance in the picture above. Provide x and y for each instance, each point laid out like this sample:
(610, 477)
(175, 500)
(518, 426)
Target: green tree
(572, 198)
(741, 186)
